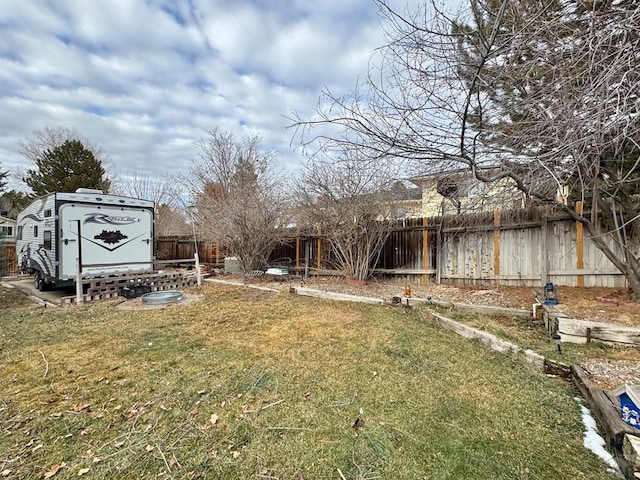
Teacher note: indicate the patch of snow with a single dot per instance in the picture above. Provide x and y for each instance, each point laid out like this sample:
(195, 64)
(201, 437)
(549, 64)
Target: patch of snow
(594, 442)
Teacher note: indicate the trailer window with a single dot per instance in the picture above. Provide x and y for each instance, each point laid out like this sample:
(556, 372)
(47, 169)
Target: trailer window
(35, 231)
(19, 236)
(47, 239)
(47, 212)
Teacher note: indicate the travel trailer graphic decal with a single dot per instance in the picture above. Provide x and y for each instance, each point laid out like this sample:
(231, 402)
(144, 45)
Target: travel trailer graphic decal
(110, 237)
(104, 219)
(111, 249)
(33, 216)
(42, 257)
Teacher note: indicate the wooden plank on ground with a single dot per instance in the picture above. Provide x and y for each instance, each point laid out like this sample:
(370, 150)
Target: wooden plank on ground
(489, 340)
(631, 450)
(485, 309)
(309, 292)
(606, 414)
(574, 329)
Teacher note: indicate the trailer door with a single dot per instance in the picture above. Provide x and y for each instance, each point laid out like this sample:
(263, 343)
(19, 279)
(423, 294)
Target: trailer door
(109, 240)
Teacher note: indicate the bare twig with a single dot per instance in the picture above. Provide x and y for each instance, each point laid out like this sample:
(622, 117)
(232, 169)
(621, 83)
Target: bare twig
(163, 457)
(46, 368)
(341, 475)
(272, 404)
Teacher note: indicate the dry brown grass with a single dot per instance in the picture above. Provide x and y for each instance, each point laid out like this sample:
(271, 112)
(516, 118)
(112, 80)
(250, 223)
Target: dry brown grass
(246, 384)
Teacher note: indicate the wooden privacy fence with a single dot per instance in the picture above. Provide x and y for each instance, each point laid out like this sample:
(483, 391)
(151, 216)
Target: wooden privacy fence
(527, 247)
(183, 247)
(8, 259)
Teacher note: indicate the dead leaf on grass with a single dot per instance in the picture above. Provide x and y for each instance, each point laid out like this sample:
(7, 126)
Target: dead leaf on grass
(149, 448)
(53, 470)
(5, 473)
(82, 471)
(214, 419)
(78, 407)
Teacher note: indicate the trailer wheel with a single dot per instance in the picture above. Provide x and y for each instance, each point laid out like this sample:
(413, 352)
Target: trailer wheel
(39, 281)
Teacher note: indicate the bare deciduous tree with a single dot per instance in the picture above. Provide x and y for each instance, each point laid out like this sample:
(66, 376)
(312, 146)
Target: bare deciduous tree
(540, 92)
(238, 200)
(167, 194)
(355, 207)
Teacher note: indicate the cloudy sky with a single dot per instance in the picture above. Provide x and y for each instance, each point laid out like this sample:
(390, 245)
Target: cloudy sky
(146, 79)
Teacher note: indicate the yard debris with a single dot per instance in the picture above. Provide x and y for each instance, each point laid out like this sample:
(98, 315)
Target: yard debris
(53, 470)
(359, 423)
(78, 407)
(83, 471)
(46, 368)
(272, 404)
(477, 293)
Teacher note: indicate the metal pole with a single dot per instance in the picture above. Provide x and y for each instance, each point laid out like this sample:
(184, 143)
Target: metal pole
(79, 296)
(195, 244)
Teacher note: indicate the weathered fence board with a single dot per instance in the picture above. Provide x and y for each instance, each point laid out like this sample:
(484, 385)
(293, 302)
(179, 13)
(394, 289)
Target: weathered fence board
(8, 259)
(514, 248)
(583, 331)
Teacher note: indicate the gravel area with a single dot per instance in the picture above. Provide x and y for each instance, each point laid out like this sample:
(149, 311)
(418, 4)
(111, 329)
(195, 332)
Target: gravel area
(611, 374)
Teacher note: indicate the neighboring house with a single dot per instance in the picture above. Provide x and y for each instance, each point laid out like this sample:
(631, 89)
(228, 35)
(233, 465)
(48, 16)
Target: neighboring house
(7, 230)
(408, 202)
(458, 192)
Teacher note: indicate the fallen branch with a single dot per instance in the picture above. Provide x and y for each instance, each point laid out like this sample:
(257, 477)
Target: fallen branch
(272, 404)
(163, 457)
(341, 475)
(46, 368)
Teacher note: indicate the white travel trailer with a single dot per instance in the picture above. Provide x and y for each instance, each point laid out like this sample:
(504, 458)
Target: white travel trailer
(102, 235)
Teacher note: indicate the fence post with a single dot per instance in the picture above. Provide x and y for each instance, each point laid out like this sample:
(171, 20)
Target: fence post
(579, 245)
(496, 246)
(319, 252)
(425, 249)
(297, 250)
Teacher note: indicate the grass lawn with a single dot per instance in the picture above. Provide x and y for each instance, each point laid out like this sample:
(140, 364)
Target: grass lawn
(251, 385)
(531, 333)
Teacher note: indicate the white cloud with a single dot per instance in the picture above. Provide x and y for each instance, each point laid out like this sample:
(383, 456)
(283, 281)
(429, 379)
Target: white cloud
(146, 79)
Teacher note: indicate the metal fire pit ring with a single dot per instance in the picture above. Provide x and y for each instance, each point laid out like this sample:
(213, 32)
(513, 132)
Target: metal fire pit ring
(161, 298)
